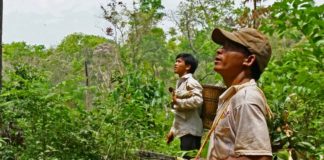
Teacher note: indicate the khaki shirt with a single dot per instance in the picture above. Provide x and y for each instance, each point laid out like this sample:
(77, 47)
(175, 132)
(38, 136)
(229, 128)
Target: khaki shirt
(188, 109)
(242, 129)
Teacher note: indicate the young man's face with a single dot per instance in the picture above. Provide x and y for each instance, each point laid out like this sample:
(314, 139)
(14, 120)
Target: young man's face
(229, 59)
(180, 67)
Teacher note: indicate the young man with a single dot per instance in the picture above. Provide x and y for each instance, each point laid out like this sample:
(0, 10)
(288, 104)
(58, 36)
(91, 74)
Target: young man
(187, 101)
(241, 132)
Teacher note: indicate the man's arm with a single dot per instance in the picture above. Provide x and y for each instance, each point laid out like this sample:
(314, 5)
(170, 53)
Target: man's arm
(252, 137)
(192, 102)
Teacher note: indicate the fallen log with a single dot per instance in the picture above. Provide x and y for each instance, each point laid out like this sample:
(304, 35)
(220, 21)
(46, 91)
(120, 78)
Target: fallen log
(144, 155)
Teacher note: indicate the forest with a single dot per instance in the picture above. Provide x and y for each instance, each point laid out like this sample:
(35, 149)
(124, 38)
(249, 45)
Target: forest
(93, 97)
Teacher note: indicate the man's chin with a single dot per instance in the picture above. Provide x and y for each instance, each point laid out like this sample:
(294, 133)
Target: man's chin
(217, 69)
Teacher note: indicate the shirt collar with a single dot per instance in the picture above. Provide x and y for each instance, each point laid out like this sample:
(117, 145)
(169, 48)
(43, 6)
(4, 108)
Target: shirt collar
(234, 88)
(183, 78)
(186, 76)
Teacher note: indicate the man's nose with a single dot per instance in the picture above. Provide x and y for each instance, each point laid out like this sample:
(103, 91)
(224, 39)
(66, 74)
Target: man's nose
(219, 51)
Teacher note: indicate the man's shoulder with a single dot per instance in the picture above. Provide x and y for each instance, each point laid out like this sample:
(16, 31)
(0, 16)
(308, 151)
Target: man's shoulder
(248, 95)
(192, 79)
(193, 82)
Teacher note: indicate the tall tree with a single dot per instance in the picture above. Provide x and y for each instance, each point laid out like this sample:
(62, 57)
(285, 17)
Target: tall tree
(134, 25)
(251, 17)
(1, 15)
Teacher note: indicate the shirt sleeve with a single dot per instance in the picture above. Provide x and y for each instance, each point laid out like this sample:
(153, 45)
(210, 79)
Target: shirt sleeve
(252, 135)
(193, 101)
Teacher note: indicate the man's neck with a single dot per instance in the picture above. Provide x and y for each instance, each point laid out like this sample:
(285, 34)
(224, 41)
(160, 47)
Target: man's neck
(240, 78)
(180, 75)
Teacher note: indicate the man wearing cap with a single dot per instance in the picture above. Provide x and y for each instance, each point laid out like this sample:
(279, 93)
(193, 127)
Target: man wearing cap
(241, 132)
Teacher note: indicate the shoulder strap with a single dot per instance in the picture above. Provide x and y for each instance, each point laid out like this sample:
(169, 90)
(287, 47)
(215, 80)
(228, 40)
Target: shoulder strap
(268, 110)
(217, 119)
(212, 128)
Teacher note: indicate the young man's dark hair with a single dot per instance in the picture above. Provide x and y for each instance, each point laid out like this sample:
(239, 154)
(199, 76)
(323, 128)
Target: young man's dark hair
(189, 60)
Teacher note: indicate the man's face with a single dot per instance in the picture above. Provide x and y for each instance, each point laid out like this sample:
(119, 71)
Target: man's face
(180, 67)
(229, 59)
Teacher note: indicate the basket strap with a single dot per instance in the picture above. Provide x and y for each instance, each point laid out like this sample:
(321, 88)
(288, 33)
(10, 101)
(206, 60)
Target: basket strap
(212, 128)
(268, 110)
(217, 119)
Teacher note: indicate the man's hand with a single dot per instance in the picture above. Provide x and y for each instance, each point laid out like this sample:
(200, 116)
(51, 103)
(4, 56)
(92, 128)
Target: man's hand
(170, 137)
(174, 98)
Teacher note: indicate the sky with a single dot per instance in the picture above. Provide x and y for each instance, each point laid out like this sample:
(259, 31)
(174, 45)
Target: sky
(47, 22)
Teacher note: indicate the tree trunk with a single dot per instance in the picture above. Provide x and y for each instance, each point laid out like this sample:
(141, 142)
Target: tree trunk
(1, 17)
(254, 12)
(152, 155)
(87, 94)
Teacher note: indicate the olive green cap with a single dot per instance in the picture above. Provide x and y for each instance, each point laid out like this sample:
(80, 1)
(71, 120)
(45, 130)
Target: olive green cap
(252, 39)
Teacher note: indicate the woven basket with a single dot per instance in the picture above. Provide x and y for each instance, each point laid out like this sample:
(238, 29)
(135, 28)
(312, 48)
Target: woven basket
(210, 95)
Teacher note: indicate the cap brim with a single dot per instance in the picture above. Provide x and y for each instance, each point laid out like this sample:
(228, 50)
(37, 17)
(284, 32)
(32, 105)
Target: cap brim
(219, 36)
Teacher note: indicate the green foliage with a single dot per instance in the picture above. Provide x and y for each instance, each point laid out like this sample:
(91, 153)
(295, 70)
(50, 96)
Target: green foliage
(196, 21)
(298, 110)
(153, 6)
(47, 111)
(74, 43)
(49, 128)
(21, 49)
(135, 114)
(71, 55)
(19, 52)
(293, 83)
(55, 125)
(205, 14)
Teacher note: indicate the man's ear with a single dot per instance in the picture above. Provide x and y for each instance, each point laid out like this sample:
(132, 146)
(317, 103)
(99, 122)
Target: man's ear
(188, 68)
(248, 61)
